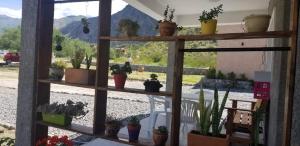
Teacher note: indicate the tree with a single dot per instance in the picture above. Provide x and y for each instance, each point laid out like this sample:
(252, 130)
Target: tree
(11, 39)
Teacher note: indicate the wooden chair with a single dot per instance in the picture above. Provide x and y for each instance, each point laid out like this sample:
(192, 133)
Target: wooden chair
(240, 122)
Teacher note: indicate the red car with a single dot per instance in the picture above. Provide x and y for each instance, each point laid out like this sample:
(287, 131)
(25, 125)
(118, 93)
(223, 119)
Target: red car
(11, 57)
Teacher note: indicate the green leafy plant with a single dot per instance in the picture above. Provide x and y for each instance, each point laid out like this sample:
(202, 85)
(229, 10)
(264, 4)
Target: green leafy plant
(231, 76)
(58, 40)
(212, 14)
(7, 141)
(128, 27)
(168, 17)
(162, 129)
(85, 23)
(70, 109)
(220, 75)
(243, 77)
(88, 60)
(211, 115)
(211, 73)
(117, 69)
(134, 120)
(77, 57)
(59, 64)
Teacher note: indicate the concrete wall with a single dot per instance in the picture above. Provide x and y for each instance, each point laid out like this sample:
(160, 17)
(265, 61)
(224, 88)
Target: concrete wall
(240, 62)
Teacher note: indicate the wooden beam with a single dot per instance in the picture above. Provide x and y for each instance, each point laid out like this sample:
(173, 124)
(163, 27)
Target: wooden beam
(177, 90)
(102, 67)
(45, 31)
(73, 1)
(290, 87)
(237, 49)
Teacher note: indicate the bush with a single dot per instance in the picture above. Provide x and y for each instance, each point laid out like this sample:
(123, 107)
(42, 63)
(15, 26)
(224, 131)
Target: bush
(220, 75)
(211, 73)
(243, 77)
(231, 76)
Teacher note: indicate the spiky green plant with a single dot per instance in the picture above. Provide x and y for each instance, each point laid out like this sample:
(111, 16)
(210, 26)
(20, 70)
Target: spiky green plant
(211, 115)
(88, 60)
(77, 58)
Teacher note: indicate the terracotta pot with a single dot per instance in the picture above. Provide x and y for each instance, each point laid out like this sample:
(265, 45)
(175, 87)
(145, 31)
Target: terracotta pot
(112, 130)
(209, 27)
(159, 139)
(56, 73)
(257, 23)
(195, 139)
(120, 80)
(133, 132)
(80, 76)
(167, 28)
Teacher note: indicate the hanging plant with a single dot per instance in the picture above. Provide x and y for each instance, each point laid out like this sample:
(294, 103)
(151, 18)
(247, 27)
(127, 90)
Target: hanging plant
(85, 24)
(59, 39)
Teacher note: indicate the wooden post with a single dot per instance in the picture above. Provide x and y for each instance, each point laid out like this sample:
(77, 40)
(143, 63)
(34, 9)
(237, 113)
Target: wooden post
(177, 90)
(102, 66)
(290, 87)
(37, 24)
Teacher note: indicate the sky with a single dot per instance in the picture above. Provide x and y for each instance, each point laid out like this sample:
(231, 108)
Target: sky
(13, 8)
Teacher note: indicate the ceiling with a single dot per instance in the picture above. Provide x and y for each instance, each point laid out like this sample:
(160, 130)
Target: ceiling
(188, 11)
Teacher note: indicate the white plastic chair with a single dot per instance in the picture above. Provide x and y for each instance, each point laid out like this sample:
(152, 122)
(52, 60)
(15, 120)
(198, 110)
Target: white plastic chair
(189, 111)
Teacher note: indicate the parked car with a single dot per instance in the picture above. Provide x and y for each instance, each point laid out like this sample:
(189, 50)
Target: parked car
(11, 57)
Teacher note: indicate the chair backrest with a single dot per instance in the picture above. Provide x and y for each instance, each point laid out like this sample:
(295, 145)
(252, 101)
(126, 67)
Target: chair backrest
(189, 111)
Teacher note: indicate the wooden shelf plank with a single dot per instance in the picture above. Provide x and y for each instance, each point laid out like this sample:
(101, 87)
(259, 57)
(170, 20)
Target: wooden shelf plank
(65, 83)
(225, 36)
(124, 140)
(72, 1)
(74, 127)
(137, 91)
(237, 49)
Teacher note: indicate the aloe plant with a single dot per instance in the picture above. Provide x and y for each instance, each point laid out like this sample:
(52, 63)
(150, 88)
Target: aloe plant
(88, 60)
(211, 115)
(77, 58)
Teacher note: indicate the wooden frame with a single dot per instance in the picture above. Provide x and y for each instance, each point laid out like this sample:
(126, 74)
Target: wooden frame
(45, 23)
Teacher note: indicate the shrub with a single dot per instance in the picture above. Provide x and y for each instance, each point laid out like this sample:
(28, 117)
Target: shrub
(243, 77)
(211, 73)
(220, 75)
(77, 58)
(231, 76)
(59, 64)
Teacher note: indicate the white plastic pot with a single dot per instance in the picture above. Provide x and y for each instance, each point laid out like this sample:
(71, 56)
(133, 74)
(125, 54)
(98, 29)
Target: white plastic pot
(257, 23)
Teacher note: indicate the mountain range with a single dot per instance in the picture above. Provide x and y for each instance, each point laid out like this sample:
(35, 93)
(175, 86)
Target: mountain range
(72, 27)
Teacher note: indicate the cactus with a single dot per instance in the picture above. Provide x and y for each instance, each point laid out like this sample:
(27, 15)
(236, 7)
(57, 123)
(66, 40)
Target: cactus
(77, 58)
(211, 115)
(88, 60)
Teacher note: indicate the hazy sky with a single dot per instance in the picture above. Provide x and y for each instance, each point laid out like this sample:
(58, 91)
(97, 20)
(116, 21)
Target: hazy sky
(13, 8)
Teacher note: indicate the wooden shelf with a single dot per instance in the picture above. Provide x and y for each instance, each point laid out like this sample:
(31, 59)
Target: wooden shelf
(72, 1)
(66, 84)
(237, 49)
(74, 127)
(124, 140)
(225, 36)
(137, 91)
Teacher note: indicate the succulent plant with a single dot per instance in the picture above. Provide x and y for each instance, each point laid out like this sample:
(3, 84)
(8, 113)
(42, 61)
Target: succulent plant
(77, 57)
(85, 23)
(59, 39)
(88, 60)
(59, 64)
(117, 69)
(162, 129)
(134, 120)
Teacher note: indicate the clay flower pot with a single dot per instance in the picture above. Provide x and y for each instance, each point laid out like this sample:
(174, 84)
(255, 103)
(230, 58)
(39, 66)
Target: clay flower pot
(112, 130)
(209, 27)
(159, 139)
(134, 132)
(120, 80)
(80, 76)
(257, 23)
(56, 74)
(167, 28)
(195, 139)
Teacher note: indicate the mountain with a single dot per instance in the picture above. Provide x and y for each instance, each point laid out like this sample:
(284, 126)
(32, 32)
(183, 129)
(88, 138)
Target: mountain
(8, 22)
(63, 22)
(147, 25)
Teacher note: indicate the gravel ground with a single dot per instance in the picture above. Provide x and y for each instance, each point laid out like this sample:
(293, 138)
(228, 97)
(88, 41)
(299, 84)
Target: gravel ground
(120, 104)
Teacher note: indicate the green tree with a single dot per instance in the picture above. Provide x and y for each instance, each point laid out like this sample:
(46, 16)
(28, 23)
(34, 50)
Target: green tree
(11, 39)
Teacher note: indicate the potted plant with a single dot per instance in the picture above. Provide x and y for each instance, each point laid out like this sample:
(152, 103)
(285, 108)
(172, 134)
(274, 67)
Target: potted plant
(208, 20)
(134, 128)
(55, 141)
(120, 74)
(160, 136)
(152, 85)
(76, 75)
(166, 26)
(85, 23)
(57, 70)
(58, 40)
(210, 118)
(112, 127)
(257, 23)
(128, 28)
(62, 114)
